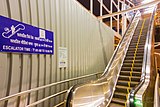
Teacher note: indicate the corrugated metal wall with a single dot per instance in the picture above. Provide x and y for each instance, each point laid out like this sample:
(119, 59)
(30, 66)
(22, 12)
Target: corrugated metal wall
(89, 43)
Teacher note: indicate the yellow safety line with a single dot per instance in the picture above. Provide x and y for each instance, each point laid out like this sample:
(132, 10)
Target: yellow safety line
(135, 54)
(125, 104)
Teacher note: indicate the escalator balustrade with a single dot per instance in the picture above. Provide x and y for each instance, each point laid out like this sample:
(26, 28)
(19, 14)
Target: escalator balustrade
(130, 73)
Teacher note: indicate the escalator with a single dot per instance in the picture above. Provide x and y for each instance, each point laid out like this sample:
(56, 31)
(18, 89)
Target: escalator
(126, 77)
(130, 73)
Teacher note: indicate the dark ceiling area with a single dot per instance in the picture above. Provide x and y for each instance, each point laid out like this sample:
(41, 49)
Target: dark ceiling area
(96, 7)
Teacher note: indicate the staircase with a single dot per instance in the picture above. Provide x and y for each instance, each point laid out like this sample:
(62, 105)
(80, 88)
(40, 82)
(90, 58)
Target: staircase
(130, 73)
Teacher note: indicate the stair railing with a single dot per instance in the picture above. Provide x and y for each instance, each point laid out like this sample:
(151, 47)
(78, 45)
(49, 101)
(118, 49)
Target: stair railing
(137, 94)
(105, 85)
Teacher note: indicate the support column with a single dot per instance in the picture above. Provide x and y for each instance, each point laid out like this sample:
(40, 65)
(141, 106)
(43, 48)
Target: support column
(124, 20)
(118, 18)
(101, 8)
(91, 6)
(111, 7)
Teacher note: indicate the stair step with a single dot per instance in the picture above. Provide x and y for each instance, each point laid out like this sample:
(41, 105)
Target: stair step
(126, 78)
(135, 42)
(132, 54)
(127, 73)
(120, 95)
(130, 64)
(138, 52)
(135, 61)
(133, 51)
(127, 83)
(131, 57)
(136, 37)
(122, 89)
(135, 48)
(115, 105)
(129, 68)
(118, 101)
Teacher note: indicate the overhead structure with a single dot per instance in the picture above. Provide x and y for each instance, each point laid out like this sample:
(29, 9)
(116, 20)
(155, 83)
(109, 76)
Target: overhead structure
(119, 5)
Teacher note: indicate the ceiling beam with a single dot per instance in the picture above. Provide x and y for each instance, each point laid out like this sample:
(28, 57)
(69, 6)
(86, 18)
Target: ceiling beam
(130, 9)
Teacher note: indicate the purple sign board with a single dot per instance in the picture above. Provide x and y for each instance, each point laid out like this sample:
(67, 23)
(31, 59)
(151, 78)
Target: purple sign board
(19, 37)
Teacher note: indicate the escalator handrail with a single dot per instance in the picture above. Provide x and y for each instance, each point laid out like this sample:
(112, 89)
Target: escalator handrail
(117, 48)
(142, 81)
(69, 93)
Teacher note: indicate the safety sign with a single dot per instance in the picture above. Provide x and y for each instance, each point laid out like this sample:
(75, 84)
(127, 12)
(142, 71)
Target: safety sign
(18, 37)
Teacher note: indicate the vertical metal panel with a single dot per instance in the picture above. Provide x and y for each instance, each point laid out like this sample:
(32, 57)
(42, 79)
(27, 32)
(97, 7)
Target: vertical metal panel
(41, 71)
(25, 61)
(54, 58)
(4, 71)
(89, 43)
(15, 70)
(34, 58)
(24, 78)
(47, 58)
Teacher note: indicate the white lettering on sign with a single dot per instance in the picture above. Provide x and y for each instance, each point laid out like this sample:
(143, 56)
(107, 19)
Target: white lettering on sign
(7, 47)
(42, 33)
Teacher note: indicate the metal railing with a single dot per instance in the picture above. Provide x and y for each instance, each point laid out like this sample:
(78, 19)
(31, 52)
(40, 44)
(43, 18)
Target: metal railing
(138, 92)
(113, 4)
(156, 92)
(107, 80)
(47, 86)
(152, 3)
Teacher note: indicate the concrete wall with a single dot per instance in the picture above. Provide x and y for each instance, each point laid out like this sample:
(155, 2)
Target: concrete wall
(89, 42)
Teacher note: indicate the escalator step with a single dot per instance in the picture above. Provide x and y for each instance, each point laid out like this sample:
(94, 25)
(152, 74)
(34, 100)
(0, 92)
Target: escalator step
(135, 61)
(137, 37)
(131, 57)
(127, 73)
(122, 89)
(130, 64)
(132, 54)
(120, 95)
(129, 68)
(126, 78)
(126, 83)
(134, 46)
(118, 101)
(115, 105)
(135, 42)
(133, 49)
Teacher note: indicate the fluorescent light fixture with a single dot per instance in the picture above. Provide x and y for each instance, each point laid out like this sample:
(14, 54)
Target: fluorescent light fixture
(149, 9)
(146, 1)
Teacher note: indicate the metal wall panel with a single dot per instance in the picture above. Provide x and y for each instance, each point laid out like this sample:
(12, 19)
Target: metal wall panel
(89, 42)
